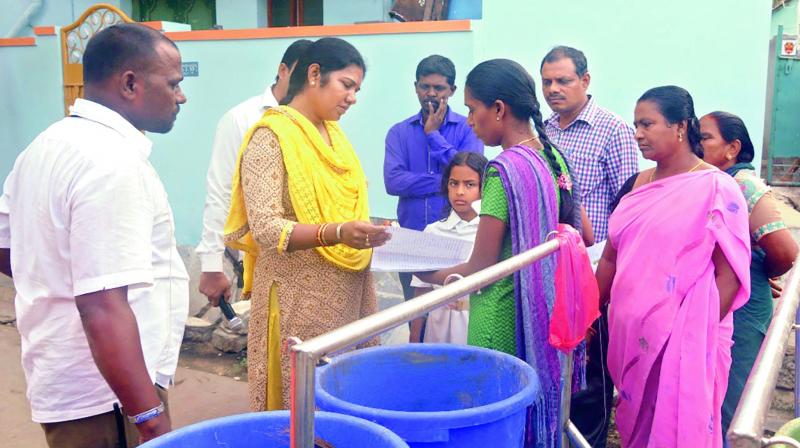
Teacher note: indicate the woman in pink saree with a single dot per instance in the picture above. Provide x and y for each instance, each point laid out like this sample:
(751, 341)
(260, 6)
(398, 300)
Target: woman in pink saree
(675, 268)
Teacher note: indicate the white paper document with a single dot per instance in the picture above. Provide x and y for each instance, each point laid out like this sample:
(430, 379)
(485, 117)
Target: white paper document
(595, 253)
(415, 251)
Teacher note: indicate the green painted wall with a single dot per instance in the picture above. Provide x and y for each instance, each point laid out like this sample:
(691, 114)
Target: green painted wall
(31, 95)
(718, 52)
(52, 12)
(336, 12)
(236, 14)
(786, 16)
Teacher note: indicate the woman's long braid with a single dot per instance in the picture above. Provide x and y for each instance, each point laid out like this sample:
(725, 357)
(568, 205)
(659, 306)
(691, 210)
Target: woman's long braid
(565, 207)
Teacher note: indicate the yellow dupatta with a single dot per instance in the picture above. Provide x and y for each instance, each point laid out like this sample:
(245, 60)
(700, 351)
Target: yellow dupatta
(326, 184)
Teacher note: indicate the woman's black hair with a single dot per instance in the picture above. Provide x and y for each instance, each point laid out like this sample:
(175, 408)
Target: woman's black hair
(677, 105)
(475, 161)
(509, 82)
(332, 54)
(731, 127)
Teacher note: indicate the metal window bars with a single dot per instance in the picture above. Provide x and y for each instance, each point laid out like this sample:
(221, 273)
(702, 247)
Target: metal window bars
(305, 355)
(747, 426)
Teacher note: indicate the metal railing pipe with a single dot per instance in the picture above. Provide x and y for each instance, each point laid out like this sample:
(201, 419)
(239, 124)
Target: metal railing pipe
(363, 329)
(747, 426)
(301, 425)
(575, 436)
(566, 394)
(305, 355)
(796, 357)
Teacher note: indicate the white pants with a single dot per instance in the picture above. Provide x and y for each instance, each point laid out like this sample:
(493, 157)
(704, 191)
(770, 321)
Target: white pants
(448, 325)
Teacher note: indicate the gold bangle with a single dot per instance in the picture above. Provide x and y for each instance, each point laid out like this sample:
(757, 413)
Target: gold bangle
(322, 234)
(339, 232)
(319, 235)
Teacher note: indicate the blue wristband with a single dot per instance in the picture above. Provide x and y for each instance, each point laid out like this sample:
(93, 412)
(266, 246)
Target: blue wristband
(147, 415)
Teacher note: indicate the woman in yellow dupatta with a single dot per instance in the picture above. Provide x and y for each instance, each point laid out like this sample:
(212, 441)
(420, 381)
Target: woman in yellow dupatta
(299, 212)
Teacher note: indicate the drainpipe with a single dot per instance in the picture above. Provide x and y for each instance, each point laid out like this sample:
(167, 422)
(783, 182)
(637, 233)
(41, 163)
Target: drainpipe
(25, 20)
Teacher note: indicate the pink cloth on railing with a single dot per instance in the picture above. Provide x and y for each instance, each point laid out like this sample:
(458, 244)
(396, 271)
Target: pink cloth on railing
(577, 298)
(669, 353)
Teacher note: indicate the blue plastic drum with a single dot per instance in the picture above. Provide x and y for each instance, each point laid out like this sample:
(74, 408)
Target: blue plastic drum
(271, 430)
(433, 395)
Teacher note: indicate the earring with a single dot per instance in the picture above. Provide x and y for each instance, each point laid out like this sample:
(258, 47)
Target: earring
(498, 118)
(680, 136)
(313, 83)
(728, 156)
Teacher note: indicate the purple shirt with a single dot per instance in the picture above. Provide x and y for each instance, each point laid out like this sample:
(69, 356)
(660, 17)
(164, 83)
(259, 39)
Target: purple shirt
(601, 149)
(412, 168)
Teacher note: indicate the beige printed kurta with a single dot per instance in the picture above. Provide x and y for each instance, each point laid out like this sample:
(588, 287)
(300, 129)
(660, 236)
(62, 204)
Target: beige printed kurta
(314, 295)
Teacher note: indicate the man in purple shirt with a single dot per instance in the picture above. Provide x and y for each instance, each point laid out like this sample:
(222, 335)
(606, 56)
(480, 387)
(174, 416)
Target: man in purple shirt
(420, 147)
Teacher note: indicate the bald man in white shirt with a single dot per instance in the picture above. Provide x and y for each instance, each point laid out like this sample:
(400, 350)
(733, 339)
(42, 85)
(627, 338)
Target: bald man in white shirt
(87, 233)
(231, 130)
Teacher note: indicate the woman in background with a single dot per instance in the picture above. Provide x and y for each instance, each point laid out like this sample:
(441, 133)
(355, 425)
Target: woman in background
(727, 145)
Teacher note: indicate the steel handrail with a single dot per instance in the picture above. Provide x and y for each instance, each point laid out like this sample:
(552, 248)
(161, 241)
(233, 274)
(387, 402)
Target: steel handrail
(305, 355)
(747, 426)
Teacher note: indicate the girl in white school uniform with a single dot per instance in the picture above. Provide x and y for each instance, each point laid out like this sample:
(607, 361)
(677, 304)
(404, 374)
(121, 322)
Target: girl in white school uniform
(461, 183)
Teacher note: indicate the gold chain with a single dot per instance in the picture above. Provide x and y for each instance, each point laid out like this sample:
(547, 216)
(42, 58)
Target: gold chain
(653, 173)
(526, 140)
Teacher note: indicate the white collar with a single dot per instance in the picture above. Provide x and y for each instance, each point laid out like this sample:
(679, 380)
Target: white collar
(98, 113)
(268, 99)
(454, 220)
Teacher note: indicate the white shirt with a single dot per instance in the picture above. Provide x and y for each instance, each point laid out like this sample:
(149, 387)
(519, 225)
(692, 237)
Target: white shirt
(83, 211)
(231, 130)
(454, 227)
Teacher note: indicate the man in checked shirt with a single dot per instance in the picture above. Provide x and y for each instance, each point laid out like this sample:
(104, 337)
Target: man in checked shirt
(603, 154)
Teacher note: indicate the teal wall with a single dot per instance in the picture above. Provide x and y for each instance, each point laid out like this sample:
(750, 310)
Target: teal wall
(238, 14)
(786, 16)
(31, 97)
(718, 53)
(336, 12)
(53, 12)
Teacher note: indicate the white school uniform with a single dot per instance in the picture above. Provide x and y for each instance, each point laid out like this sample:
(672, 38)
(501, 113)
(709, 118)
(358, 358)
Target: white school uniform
(449, 323)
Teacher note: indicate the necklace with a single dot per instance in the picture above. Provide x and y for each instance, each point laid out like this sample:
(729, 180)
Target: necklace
(653, 173)
(526, 140)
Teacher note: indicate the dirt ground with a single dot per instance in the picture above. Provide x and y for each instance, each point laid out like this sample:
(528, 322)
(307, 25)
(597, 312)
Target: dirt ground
(208, 384)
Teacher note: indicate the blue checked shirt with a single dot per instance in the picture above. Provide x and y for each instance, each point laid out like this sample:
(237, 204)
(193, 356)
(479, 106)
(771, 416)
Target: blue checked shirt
(601, 149)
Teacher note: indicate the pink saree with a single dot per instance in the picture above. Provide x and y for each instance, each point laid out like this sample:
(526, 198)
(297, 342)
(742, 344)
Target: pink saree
(669, 353)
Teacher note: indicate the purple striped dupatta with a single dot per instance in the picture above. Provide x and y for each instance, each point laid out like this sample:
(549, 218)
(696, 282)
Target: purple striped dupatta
(533, 213)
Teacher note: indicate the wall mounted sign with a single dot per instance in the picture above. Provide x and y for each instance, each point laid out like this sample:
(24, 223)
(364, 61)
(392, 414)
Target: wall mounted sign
(193, 68)
(788, 47)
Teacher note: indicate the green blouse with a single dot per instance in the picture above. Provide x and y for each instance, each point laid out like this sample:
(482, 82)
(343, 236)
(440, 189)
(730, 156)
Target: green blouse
(493, 311)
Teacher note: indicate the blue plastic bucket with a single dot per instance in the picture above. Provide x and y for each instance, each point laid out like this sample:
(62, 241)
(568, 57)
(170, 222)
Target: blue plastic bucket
(433, 395)
(271, 430)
